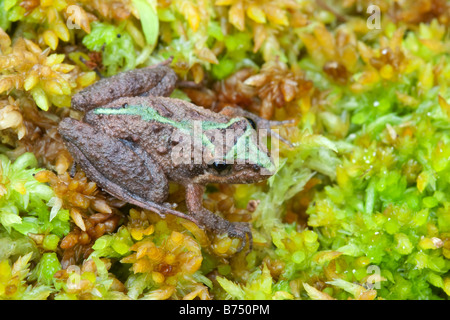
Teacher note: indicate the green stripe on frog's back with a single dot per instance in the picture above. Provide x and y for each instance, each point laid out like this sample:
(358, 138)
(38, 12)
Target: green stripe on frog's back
(148, 113)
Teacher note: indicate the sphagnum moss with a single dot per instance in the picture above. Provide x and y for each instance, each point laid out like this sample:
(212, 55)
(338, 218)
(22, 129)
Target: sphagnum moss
(357, 210)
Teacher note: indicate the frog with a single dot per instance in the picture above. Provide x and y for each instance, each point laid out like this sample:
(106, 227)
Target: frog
(131, 129)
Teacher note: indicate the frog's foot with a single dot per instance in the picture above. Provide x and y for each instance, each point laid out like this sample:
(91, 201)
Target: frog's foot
(258, 122)
(73, 169)
(241, 230)
(219, 225)
(212, 222)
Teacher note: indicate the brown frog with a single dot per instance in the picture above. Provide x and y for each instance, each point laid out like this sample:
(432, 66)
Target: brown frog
(134, 140)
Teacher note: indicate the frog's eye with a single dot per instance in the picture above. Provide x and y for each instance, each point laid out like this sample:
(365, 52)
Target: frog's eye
(252, 122)
(220, 167)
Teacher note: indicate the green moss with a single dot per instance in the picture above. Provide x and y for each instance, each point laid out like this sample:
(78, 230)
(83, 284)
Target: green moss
(366, 183)
(47, 267)
(116, 45)
(25, 204)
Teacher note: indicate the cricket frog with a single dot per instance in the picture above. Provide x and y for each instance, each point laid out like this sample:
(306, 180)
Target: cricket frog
(134, 140)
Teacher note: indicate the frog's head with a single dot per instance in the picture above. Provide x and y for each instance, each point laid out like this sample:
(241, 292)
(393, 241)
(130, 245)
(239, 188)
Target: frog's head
(243, 155)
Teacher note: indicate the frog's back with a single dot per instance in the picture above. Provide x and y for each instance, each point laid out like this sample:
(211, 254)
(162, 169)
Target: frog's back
(160, 110)
(151, 122)
(154, 80)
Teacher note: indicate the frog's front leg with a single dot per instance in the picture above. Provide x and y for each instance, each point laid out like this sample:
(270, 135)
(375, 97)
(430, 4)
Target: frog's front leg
(157, 80)
(213, 222)
(118, 167)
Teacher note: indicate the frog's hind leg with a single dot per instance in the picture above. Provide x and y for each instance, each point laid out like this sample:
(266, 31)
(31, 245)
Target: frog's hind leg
(154, 80)
(119, 169)
(213, 222)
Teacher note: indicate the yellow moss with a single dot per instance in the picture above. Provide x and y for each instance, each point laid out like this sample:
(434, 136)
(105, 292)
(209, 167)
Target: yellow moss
(25, 66)
(11, 116)
(179, 255)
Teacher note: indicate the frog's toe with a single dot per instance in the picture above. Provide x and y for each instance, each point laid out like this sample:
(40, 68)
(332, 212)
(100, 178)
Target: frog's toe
(241, 230)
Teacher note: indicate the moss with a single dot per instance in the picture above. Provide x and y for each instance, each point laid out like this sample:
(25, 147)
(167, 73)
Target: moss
(358, 208)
